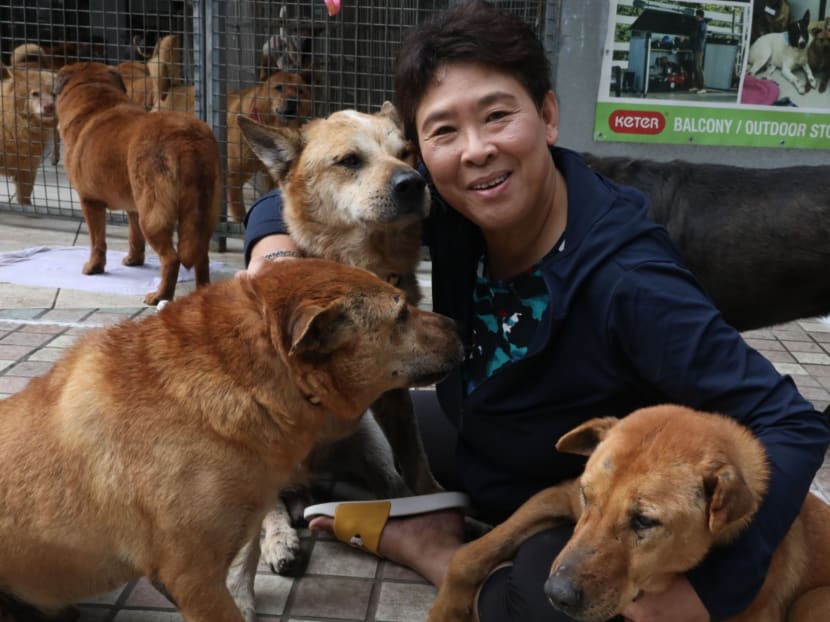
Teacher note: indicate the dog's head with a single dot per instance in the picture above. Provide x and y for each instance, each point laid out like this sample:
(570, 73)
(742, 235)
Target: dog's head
(282, 99)
(29, 92)
(348, 170)
(798, 32)
(820, 44)
(104, 78)
(661, 487)
(346, 336)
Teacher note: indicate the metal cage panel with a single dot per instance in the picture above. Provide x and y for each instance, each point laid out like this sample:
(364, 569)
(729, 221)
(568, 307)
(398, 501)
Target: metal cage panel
(214, 60)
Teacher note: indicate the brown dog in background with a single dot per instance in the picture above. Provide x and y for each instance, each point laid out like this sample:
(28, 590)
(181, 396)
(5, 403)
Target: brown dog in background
(282, 99)
(27, 123)
(646, 516)
(161, 168)
(154, 447)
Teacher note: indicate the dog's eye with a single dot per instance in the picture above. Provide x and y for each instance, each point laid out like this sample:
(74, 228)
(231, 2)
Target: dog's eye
(279, 88)
(350, 160)
(640, 522)
(405, 153)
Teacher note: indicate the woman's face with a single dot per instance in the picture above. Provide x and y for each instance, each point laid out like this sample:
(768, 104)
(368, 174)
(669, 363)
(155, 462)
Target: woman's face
(485, 144)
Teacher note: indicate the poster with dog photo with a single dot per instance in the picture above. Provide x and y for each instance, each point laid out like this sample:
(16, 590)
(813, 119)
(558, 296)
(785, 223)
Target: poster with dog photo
(739, 72)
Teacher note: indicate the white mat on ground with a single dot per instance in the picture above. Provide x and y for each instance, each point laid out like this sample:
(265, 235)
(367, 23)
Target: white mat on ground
(60, 266)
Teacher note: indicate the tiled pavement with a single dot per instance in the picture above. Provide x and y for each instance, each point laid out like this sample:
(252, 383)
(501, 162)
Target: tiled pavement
(339, 584)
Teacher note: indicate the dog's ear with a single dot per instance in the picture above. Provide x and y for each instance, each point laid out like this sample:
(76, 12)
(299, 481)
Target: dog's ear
(315, 331)
(584, 438)
(730, 497)
(117, 79)
(806, 19)
(388, 110)
(60, 81)
(277, 147)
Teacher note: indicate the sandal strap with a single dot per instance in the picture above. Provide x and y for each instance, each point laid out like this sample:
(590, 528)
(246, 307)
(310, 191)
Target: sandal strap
(360, 524)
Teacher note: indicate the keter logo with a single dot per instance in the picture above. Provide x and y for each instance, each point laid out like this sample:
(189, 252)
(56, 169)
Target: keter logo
(636, 122)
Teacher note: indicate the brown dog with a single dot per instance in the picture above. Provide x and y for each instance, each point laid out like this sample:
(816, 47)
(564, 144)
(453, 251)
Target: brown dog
(640, 524)
(27, 121)
(154, 447)
(818, 53)
(161, 168)
(283, 99)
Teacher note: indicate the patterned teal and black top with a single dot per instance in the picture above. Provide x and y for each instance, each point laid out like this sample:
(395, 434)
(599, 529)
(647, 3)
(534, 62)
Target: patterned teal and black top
(499, 336)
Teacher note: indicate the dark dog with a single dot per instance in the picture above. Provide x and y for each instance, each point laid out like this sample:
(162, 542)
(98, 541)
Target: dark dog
(757, 239)
(769, 16)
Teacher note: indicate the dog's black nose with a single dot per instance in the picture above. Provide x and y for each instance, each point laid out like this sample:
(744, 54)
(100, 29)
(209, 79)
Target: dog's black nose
(408, 190)
(563, 593)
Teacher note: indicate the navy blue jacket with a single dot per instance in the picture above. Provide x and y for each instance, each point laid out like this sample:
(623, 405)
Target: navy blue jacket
(628, 326)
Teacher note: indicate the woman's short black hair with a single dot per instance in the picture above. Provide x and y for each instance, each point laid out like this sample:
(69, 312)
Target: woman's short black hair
(476, 32)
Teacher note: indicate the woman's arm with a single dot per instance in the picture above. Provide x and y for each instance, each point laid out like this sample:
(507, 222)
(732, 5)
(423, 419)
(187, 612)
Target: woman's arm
(266, 236)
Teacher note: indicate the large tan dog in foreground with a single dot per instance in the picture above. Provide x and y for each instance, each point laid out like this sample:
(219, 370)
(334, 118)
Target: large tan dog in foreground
(161, 168)
(154, 447)
(646, 515)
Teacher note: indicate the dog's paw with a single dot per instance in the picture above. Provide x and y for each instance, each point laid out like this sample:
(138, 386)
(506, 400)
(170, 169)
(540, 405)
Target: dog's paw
(281, 550)
(133, 260)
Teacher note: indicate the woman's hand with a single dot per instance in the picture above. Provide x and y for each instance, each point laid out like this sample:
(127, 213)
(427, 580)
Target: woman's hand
(679, 603)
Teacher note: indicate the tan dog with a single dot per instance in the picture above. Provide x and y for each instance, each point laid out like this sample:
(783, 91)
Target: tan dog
(137, 82)
(283, 99)
(161, 168)
(154, 447)
(164, 67)
(351, 195)
(640, 524)
(27, 122)
(818, 54)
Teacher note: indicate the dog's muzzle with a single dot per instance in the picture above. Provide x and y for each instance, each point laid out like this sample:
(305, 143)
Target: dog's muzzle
(408, 192)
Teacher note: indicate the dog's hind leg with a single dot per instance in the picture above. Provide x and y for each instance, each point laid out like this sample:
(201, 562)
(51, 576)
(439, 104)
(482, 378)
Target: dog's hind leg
(395, 415)
(136, 243)
(241, 577)
(471, 564)
(95, 214)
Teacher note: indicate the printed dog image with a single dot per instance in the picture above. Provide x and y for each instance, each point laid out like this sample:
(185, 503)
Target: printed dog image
(351, 195)
(756, 239)
(653, 515)
(154, 447)
(283, 99)
(818, 54)
(161, 168)
(28, 120)
(786, 51)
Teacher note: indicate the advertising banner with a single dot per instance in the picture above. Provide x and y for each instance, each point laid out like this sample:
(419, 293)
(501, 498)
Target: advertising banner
(751, 74)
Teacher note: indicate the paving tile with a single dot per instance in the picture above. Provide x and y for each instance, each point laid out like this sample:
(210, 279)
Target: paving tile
(404, 602)
(29, 369)
(332, 597)
(791, 369)
(14, 352)
(47, 354)
(813, 358)
(12, 384)
(145, 595)
(271, 592)
(335, 558)
(24, 338)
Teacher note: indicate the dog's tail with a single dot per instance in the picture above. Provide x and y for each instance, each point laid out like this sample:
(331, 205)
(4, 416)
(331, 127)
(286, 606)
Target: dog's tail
(199, 210)
(16, 610)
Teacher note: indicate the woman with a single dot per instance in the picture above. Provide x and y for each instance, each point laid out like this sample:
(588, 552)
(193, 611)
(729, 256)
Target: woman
(572, 305)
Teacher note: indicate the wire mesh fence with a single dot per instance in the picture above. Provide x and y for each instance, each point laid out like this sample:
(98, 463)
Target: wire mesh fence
(276, 62)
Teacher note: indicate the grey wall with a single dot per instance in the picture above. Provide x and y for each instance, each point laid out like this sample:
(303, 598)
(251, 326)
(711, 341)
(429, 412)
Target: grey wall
(582, 29)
